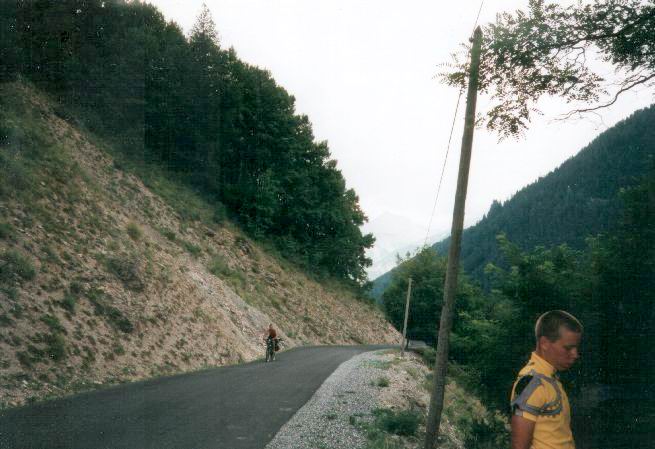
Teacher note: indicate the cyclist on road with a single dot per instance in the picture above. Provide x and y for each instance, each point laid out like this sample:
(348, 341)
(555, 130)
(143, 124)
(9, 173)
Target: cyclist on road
(271, 342)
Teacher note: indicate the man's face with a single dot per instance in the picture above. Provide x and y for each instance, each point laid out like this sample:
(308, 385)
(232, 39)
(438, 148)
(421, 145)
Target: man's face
(562, 353)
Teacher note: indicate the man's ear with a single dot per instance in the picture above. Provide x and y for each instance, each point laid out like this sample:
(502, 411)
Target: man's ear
(544, 343)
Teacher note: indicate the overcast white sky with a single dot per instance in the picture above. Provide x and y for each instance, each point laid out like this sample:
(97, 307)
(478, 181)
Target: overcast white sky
(364, 72)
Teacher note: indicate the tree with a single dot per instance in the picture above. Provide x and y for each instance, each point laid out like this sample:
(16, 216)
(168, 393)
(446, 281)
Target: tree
(207, 73)
(624, 263)
(547, 51)
(204, 30)
(428, 271)
(10, 51)
(502, 333)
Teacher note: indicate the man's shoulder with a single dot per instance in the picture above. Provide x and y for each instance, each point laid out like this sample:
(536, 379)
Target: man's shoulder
(536, 394)
(529, 368)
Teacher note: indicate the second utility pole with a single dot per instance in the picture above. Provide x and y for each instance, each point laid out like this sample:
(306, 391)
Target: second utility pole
(409, 293)
(450, 288)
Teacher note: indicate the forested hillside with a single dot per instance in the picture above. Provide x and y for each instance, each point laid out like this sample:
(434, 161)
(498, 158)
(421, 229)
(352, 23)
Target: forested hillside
(214, 122)
(577, 200)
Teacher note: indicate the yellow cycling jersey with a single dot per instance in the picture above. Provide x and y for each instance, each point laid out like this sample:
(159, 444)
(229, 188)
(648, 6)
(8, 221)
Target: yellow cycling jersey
(538, 395)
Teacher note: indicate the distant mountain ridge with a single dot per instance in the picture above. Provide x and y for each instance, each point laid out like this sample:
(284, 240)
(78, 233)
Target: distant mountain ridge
(394, 235)
(577, 199)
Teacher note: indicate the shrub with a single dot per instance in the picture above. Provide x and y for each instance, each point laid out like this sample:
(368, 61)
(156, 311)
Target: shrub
(24, 359)
(55, 347)
(36, 354)
(377, 439)
(115, 317)
(118, 319)
(237, 279)
(51, 255)
(465, 376)
(383, 382)
(404, 422)
(218, 267)
(126, 268)
(17, 178)
(119, 349)
(5, 320)
(487, 433)
(5, 133)
(134, 231)
(6, 231)
(170, 235)
(428, 354)
(481, 428)
(11, 292)
(53, 323)
(15, 267)
(75, 288)
(16, 310)
(194, 250)
(220, 214)
(68, 302)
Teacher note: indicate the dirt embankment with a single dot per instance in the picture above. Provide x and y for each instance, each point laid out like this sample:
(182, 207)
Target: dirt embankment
(103, 281)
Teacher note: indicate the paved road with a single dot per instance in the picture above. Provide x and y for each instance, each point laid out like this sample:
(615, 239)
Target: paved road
(233, 407)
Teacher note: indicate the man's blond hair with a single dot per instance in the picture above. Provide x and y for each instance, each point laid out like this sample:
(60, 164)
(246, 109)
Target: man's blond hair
(549, 324)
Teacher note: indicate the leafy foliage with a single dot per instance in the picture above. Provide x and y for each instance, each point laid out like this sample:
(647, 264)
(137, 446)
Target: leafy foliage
(428, 271)
(209, 119)
(624, 288)
(547, 51)
(403, 422)
(15, 267)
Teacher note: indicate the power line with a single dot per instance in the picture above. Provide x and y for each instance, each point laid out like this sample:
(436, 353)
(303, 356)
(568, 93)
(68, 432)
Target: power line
(478, 16)
(443, 169)
(450, 137)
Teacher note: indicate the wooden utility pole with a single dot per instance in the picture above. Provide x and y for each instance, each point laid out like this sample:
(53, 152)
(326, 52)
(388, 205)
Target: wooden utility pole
(436, 400)
(403, 343)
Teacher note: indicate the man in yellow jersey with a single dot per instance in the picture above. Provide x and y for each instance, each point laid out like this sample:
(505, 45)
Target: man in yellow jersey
(541, 415)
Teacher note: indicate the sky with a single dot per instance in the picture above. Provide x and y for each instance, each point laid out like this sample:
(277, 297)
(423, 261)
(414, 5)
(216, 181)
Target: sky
(365, 72)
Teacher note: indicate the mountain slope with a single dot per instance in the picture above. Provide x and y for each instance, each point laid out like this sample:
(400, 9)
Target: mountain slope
(103, 281)
(574, 201)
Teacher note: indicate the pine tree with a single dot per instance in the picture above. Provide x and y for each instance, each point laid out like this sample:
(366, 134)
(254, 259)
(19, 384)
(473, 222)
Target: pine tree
(204, 30)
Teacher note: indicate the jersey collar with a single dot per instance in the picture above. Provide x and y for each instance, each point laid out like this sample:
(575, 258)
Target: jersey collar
(542, 366)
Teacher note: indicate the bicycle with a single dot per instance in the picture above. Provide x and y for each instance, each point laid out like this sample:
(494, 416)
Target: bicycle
(272, 346)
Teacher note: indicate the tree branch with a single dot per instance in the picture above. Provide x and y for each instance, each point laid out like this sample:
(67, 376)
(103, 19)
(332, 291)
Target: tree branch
(624, 89)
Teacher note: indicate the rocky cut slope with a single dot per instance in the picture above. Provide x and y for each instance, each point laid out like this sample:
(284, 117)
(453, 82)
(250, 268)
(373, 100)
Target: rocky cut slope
(103, 281)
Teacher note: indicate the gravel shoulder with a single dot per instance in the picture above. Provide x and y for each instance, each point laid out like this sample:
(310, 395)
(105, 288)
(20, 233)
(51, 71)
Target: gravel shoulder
(378, 400)
(341, 410)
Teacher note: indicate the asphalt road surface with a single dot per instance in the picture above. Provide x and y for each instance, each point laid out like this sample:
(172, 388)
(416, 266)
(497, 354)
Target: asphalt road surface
(232, 407)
